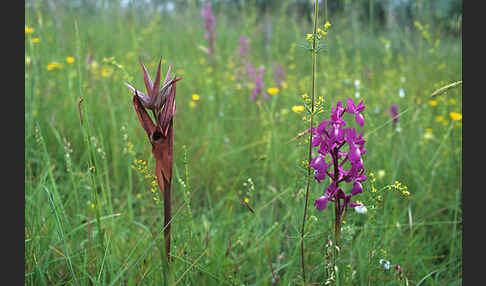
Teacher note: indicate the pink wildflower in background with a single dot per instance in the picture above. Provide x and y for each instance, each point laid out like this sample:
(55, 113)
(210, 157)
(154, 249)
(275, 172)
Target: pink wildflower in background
(258, 81)
(244, 49)
(279, 75)
(209, 22)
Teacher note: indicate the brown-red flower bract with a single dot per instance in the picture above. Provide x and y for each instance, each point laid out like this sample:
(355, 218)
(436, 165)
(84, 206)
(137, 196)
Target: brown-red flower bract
(161, 134)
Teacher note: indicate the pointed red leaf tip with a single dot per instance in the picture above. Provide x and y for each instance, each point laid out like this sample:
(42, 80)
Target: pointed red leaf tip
(168, 111)
(145, 120)
(147, 79)
(156, 86)
(142, 96)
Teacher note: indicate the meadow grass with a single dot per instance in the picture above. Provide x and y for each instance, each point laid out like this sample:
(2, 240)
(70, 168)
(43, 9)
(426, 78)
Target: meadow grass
(91, 216)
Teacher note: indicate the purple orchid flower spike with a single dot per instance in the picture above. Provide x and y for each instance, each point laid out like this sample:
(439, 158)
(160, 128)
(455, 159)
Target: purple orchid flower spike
(330, 136)
(356, 110)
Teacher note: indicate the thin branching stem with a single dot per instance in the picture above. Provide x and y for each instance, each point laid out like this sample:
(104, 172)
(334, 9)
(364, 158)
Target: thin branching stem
(314, 60)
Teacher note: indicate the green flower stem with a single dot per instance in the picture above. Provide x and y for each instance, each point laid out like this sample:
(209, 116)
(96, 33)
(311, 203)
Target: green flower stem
(314, 61)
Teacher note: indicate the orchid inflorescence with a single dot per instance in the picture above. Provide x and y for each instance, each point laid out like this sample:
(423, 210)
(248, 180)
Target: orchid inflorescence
(161, 101)
(331, 136)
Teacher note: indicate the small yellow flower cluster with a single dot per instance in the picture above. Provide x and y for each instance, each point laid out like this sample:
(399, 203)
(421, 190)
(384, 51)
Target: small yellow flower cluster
(441, 119)
(306, 98)
(129, 148)
(106, 71)
(398, 187)
(141, 167)
(70, 60)
(195, 97)
(320, 33)
(54, 66)
(455, 116)
(29, 30)
(273, 90)
(109, 66)
(372, 180)
(298, 108)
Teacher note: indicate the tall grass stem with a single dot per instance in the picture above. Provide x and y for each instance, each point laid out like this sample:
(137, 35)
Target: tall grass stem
(314, 62)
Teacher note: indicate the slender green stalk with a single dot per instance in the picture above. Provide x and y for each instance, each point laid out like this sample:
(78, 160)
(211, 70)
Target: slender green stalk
(86, 133)
(314, 61)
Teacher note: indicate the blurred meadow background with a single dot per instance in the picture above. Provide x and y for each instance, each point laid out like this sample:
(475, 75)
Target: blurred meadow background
(93, 215)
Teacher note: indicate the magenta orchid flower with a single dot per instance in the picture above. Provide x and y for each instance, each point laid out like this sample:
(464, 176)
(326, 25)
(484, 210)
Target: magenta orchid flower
(330, 136)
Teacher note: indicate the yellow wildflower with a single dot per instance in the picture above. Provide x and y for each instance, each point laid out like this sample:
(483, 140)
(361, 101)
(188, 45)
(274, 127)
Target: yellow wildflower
(439, 118)
(433, 102)
(455, 116)
(70, 60)
(29, 30)
(321, 32)
(92, 206)
(247, 200)
(53, 65)
(195, 97)
(308, 37)
(327, 25)
(106, 71)
(298, 108)
(273, 90)
(35, 40)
